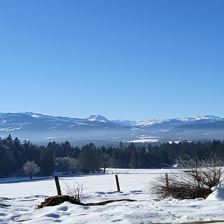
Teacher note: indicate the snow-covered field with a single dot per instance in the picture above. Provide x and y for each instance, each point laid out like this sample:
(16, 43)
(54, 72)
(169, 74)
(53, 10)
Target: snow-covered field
(23, 197)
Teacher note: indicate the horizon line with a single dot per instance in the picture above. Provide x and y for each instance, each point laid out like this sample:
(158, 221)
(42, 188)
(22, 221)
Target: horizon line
(119, 119)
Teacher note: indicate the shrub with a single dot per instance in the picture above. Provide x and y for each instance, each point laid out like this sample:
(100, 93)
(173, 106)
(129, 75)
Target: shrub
(75, 192)
(194, 182)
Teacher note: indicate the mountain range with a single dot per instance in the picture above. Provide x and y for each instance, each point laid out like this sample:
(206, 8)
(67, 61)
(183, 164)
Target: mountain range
(41, 129)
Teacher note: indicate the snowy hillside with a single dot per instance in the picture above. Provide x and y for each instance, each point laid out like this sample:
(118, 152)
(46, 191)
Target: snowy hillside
(23, 198)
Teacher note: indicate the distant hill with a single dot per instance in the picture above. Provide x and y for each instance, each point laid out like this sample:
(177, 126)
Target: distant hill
(41, 129)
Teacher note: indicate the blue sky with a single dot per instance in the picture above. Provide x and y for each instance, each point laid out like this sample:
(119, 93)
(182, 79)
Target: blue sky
(123, 59)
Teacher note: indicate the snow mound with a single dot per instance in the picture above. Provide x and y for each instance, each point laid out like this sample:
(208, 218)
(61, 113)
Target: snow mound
(217, 194)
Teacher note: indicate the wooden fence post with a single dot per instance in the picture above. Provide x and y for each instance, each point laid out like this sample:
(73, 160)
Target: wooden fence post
(117, 183)
(57, 185)
(167, 180)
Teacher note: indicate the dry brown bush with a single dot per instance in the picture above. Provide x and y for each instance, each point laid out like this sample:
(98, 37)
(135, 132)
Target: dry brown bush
(194, 181)
(75, 191)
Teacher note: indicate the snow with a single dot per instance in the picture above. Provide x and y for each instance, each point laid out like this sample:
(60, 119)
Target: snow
(9, 129)
(50, 138)
(149, 140)
(35, 116)
(145, 139)
(23, 197)
(135, 129)
(177, 142)
(148, 123)
(3, 121)
(217, 194)
(98, 118)
(200, 118)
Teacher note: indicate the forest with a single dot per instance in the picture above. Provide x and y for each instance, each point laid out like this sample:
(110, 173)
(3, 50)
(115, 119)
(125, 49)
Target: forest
(68, 159)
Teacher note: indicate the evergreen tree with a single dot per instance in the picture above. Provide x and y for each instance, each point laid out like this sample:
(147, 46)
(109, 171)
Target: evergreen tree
(133, 160)
(89, 158)
(46, 162)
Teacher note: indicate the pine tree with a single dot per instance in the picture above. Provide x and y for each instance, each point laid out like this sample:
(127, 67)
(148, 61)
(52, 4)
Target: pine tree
(46, 163)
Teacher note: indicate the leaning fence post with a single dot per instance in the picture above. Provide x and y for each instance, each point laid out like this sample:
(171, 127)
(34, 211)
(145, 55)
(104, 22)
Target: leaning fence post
(57, 185)
(117, 183)
(167, 180)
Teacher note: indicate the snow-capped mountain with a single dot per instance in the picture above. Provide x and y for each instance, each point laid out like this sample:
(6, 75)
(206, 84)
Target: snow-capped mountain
(97, 128)
(98, 118)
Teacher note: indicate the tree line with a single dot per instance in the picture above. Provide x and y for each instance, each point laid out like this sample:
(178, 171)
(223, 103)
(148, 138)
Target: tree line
(65, 158)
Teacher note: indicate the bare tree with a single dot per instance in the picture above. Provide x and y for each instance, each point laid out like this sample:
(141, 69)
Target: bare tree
(30, 169)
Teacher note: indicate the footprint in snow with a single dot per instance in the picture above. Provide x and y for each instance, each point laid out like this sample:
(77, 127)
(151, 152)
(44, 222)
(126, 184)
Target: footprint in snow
(53, 215)
(63, 208)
